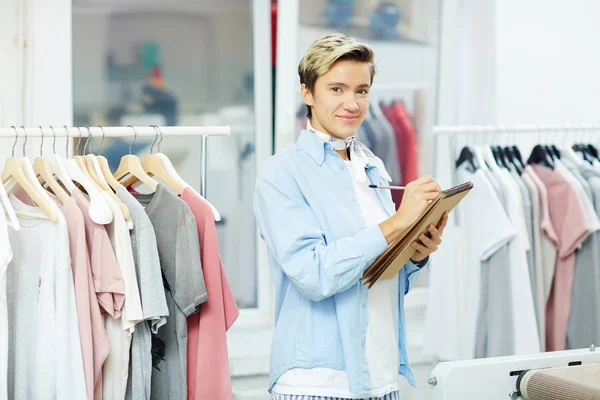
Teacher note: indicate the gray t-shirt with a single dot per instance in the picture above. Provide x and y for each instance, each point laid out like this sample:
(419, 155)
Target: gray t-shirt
(585, 299)
(152, 295)
(494, 336)
(179, 252)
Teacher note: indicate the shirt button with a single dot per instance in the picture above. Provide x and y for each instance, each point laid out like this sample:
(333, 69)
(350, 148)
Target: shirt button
(362, 343)
(364, 305)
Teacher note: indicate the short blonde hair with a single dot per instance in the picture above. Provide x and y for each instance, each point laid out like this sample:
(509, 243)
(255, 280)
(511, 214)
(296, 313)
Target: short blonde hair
(324, 52)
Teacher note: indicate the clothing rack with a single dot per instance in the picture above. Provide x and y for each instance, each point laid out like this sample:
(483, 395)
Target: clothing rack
(123, 131)
(518, 129)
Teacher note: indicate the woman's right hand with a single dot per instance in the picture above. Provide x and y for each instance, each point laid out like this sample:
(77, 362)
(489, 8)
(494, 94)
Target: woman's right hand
(416, 198)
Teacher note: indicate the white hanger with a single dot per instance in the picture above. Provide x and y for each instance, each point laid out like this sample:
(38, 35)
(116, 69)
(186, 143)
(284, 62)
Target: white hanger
(100, 211)
(168, 166)
(57, 165)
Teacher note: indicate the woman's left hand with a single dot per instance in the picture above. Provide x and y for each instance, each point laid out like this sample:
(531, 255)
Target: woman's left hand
(430, 243)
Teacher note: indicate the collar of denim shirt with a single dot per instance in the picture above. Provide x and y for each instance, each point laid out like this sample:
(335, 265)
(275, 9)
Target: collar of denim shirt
(316, 147)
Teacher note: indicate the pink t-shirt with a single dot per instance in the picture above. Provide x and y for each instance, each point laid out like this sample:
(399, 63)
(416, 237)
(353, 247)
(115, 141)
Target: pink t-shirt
(208, 363)
(569, 219)
(85, 298)
(105, 282)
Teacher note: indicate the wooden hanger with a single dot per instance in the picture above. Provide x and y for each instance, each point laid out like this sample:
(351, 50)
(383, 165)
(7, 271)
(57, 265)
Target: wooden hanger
(153, 165)
(106, 172)
(58, 164)
(13, 174)
(80, 160)
(41, 167)
(171, 171)
(97, 175)
(7, 208)
(100, 211)
(131, 165)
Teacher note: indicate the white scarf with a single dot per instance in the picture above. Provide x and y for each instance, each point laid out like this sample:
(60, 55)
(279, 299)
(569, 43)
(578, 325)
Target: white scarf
(359, 153)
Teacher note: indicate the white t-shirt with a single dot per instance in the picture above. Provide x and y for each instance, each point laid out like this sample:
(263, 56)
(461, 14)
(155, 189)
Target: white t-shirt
(5, 258)
(381, 342)
(526, 338)
(45, 359)
(116, 367)
(485, 228)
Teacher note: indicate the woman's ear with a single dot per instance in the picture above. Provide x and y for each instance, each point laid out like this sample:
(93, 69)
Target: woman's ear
(307, 96)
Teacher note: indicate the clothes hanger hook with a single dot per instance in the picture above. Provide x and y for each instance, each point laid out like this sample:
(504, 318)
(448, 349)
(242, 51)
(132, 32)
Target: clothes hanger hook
(102, 141)
(79, 141)
(155, 138)
(161, 138)
(89, 139)
(66, 141)
(134, 137)
(25, 142)
(54, 139)
(42, 140)
(16, 139)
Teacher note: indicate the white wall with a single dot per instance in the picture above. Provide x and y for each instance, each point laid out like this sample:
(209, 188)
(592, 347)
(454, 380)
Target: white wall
(548, 63)
(35, 83)
(521, 62)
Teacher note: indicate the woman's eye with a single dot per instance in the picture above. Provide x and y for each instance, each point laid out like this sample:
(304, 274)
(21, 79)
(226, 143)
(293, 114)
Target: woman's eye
(363, 91)
(337, 89)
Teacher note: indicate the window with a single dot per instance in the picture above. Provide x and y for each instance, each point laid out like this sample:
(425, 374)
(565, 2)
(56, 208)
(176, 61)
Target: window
(191, 63)
(178, 63)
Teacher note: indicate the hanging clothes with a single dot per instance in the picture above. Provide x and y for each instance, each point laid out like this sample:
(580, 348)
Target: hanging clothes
(116, 367)
(208, 363)
(44, 346)
(5, 258)
(406, 142)
(569, 221)
(487, 230)
(105, 282)
(179, 252)
(585, 301)
(152, 295)
(85, 296)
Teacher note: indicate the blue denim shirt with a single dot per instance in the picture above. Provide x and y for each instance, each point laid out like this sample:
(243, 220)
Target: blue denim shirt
(318, 248)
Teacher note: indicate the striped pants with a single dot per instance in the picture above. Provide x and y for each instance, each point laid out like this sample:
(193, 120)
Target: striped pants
(275, 396)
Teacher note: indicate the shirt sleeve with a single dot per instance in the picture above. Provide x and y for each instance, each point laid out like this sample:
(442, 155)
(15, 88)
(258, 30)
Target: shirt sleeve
(412, 273)
(154, 301)
(319, 269)
(108, 281)
(190, 289)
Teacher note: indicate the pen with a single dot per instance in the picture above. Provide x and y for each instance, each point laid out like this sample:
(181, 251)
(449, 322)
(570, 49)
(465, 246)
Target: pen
(387, 187)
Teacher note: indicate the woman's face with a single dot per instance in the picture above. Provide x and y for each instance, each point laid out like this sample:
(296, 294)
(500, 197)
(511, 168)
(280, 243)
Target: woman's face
(340, 98)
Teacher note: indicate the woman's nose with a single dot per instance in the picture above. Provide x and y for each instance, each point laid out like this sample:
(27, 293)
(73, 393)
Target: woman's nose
(351, 104)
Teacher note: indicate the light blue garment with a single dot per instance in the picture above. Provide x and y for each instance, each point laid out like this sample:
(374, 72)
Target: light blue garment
(318, 248)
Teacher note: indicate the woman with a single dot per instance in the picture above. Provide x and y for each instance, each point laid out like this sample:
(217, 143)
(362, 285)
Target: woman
(323, 227)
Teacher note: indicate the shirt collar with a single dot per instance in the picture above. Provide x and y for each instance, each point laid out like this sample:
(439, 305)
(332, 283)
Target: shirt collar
(315, 148)
(312, 145)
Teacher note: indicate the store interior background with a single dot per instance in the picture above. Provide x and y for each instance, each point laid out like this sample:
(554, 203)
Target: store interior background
(477, 61)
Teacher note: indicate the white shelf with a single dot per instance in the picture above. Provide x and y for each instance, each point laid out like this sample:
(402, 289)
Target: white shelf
(204, 7)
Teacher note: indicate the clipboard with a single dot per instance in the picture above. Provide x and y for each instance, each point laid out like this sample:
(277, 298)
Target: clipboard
(391, 261)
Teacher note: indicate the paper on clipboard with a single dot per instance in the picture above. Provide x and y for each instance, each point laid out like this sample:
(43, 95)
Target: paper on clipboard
(387, 265)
